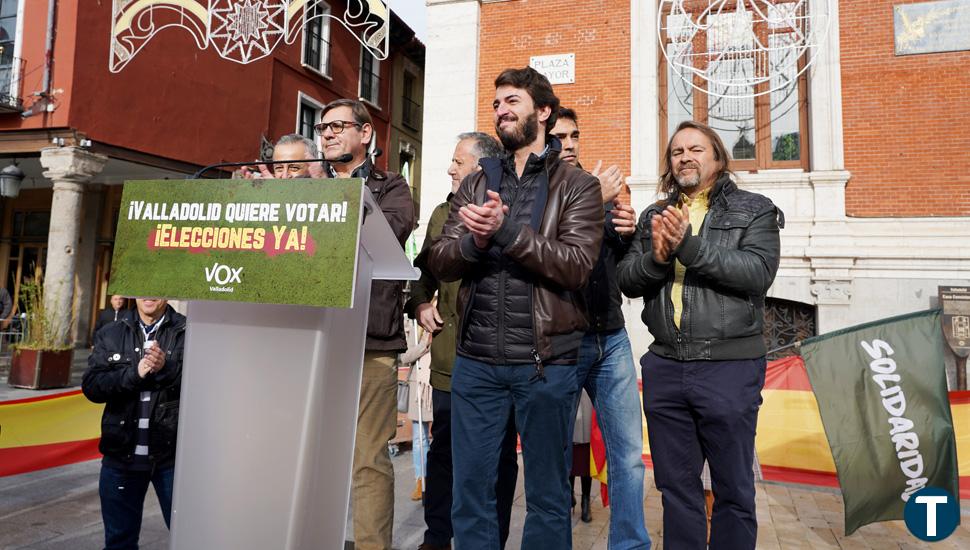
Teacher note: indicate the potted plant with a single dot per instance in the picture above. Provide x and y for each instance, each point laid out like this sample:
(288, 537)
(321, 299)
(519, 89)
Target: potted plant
(39, 361)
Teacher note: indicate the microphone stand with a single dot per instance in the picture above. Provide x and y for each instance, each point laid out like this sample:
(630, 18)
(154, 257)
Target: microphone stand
(344, 158)
(347, 157)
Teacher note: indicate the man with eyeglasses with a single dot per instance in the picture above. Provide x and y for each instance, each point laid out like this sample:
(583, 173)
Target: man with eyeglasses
(346, 133)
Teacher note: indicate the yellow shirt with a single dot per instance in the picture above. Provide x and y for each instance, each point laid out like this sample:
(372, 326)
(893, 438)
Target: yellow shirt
(698, 211)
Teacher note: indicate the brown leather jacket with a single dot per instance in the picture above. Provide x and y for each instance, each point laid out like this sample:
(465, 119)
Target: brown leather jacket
(561, 255)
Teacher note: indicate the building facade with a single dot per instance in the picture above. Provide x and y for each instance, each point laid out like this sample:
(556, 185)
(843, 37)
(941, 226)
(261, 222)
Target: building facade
(865, 150)
(78, 123)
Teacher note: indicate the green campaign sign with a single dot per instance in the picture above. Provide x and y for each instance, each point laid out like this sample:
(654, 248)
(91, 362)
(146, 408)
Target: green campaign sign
(291, 241)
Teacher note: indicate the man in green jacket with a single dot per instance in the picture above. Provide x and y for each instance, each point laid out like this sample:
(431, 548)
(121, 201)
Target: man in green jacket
(440, 317)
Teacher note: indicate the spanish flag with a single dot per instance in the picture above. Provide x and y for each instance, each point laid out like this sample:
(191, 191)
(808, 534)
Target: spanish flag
(597, 456)
(48, 431)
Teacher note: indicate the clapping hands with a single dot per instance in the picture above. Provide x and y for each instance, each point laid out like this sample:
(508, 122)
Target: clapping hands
(668, 230)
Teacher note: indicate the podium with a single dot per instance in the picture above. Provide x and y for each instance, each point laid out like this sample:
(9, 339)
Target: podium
(268, 412)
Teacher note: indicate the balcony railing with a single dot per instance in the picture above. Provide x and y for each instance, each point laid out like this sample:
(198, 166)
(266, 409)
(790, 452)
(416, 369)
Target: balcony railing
(10, 100)
(411, 114)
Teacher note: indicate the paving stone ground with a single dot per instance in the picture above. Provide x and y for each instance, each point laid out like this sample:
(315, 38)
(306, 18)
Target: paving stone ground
(58, 509)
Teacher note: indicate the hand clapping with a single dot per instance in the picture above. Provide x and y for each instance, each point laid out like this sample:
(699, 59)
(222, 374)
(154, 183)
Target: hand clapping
(485, 220)
(152, 362)
(611, 181)
(668, 230)
(624, 220)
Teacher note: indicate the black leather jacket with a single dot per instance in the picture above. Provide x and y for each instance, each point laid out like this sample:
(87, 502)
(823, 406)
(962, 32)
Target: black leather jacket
(731, 262)
(602, 294)
(112, 378)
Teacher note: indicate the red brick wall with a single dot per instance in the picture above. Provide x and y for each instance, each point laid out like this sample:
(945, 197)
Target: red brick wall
(906, 120)
(598, 32)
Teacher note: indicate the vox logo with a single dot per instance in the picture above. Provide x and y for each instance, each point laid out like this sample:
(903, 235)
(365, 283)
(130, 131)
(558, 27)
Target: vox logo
(223, 274)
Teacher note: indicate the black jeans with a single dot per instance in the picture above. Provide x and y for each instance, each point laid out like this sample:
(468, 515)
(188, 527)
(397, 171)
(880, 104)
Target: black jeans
(437, 493)
(700, 410)
(123, 499)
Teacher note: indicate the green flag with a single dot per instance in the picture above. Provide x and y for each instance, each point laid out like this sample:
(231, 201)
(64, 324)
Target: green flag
(881, 390)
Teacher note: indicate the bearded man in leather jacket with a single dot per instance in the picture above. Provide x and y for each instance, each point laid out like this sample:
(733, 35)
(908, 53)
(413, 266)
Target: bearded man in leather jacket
(522, 235)
(703, 260)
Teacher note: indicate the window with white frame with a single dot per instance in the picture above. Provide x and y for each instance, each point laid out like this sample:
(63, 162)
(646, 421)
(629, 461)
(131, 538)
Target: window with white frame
(308, 115)
(370, 77)
(316, 38)
(8, 40)
(766, 128)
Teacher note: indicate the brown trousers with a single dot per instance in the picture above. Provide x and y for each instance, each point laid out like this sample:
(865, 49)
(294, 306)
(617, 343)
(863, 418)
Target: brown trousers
(373, 475)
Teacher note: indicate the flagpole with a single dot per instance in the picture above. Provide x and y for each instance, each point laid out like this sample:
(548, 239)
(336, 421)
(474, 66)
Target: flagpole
(796, 344)
(421, 441)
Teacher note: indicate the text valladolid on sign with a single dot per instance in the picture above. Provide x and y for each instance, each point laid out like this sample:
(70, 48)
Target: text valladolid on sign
(288, 241)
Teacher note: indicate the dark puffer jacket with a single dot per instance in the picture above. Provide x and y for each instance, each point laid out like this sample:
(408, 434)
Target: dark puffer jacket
(499, 321)
(731, 262)
(552, 255)
(112, 378)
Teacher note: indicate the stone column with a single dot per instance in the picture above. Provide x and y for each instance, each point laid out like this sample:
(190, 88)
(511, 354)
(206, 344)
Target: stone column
(70, 168)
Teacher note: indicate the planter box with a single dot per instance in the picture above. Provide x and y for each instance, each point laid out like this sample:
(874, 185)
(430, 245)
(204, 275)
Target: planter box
(40, 369)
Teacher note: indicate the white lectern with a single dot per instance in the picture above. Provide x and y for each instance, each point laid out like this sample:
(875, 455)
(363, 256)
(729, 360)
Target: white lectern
(268, 414)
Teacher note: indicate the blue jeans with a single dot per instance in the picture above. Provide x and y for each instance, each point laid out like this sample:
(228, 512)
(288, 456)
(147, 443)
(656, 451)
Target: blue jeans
(437, 495)
(419, 447)
(123, 499)
(481, 398)
(607, 371)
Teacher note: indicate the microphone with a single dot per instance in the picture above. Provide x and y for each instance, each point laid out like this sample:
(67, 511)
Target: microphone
(343, 159)
(377, 152)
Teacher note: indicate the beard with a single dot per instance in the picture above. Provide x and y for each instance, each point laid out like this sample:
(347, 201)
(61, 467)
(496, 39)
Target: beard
(687, 182)
(520, 135)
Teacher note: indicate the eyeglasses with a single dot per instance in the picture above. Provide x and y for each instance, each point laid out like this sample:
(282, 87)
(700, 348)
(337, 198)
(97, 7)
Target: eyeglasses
(336, 126)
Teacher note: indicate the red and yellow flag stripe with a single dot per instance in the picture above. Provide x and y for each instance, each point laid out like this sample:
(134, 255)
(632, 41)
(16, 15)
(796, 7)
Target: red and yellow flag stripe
(791, 441)
(63, 428)
(48, 431)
